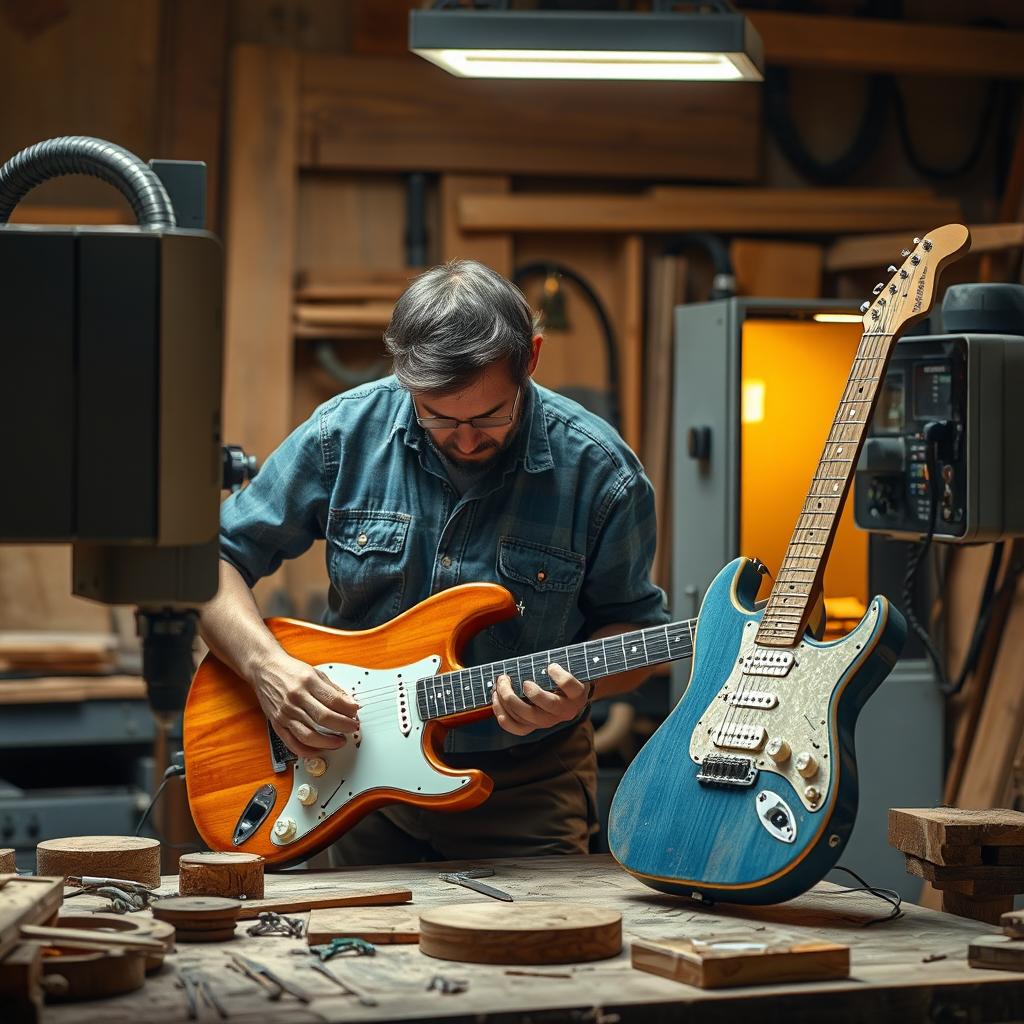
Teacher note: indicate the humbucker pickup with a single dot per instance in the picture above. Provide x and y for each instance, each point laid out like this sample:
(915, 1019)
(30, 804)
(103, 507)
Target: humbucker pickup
(740, 737)
(761, 662)
(753, 699)
(722, 770)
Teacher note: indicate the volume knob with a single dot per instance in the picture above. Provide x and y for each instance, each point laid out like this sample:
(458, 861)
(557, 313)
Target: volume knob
(284, 828)
(778, 750)
(314, 766)
(306, 794)
(806, 764)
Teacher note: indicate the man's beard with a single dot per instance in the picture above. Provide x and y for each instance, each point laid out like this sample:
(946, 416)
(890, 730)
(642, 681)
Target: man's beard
(477, 459)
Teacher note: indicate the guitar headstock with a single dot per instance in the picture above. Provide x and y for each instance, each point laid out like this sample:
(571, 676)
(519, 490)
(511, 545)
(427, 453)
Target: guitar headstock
(909, 293)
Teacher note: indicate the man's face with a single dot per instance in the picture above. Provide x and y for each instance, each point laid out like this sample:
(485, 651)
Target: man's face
(491, 394)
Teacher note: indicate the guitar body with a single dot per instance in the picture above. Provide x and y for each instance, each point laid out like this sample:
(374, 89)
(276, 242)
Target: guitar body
(718, 839)
(396, 757)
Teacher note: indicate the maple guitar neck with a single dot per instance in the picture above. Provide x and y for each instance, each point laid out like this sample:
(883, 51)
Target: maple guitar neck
(907, 297)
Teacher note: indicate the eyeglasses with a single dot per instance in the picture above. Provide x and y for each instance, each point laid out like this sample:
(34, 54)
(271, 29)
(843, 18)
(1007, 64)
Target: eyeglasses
(477, 422)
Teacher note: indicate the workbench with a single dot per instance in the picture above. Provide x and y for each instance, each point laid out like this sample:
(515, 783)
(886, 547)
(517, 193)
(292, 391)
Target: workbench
(906, 970)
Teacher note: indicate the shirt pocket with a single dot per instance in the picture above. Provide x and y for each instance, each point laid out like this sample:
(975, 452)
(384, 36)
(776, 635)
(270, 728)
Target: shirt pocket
(367, 558)
(545, 582)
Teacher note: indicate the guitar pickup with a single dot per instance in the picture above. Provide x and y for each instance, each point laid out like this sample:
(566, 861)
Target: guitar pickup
(740, 737)
(753, 699)
(763, 662)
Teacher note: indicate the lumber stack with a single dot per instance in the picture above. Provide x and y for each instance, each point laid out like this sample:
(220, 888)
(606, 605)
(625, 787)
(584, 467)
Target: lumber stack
(975, 858)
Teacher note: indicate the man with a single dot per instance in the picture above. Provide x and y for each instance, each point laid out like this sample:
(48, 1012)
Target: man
(457, 469)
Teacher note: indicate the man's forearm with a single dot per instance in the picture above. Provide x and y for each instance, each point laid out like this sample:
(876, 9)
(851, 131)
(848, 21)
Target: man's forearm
(233, 628)
(621, 682)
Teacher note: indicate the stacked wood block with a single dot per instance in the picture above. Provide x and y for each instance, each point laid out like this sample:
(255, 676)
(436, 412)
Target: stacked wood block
(974, 857)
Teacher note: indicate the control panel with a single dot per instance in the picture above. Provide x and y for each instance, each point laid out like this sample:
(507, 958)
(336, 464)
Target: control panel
(943, 431)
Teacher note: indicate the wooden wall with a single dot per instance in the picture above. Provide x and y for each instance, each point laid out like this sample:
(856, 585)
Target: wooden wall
(324, 196)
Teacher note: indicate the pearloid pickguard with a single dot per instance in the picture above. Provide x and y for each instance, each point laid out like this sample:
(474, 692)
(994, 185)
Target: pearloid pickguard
(801, 717)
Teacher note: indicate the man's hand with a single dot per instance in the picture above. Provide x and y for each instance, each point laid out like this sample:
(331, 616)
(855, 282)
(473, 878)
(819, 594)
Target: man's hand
(545, 708)
(309, 712)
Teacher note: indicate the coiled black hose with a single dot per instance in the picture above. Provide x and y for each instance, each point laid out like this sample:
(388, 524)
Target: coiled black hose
(82, 154)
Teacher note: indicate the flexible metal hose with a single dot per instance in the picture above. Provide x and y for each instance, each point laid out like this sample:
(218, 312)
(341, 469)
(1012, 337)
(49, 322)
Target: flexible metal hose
(82, 154)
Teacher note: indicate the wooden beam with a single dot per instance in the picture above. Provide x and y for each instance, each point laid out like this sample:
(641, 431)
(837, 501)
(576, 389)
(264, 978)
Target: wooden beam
(630, 271)
(494, 249)
(747, 210)
(260, 252)
(898, 47)
(863, 251)
(403, 113)
(193, 64)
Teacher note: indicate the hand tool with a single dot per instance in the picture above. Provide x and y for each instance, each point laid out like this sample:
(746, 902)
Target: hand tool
(363, 997)
(253, 967)
(468, 879)
(341, 944)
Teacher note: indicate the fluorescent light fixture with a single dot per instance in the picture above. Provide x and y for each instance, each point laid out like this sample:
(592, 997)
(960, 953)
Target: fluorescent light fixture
(839, 318)
(719, 46)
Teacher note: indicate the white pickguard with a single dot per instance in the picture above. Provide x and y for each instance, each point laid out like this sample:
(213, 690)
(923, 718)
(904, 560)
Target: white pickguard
(387, 752)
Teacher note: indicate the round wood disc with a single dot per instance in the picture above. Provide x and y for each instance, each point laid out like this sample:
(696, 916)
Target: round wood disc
(521, 933)
(232, 875)
(208, 935)
(134, 858)
(91, 975)
(197, 912)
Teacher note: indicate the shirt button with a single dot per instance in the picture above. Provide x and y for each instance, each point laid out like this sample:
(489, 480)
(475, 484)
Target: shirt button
(362, 539)
(542, 576)
(446, 562)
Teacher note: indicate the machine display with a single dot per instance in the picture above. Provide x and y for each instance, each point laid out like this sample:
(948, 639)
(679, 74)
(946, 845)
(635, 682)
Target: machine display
(942, 436)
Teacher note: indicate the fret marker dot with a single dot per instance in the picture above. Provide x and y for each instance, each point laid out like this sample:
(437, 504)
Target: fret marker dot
(633, 648)
(596, 659)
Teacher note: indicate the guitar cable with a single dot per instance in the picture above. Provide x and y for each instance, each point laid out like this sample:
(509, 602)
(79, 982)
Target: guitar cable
(890, 896)
(989, 597)
(174, 769)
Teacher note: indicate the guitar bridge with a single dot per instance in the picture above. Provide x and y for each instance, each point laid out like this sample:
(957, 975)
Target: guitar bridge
(723, 770)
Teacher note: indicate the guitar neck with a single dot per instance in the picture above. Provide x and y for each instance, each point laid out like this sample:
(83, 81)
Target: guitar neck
(799, 580)
(470, 689)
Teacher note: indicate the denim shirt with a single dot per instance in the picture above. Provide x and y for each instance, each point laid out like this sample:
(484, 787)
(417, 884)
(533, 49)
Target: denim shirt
(565, 522)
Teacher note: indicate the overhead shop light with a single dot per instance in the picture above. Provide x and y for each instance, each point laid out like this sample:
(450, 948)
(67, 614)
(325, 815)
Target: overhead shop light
(714, 45)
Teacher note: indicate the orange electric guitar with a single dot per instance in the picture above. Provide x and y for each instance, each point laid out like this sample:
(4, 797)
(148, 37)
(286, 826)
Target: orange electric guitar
(248, 792)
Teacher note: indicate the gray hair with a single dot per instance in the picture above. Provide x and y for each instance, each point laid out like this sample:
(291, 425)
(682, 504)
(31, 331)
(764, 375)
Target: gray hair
(454, 320)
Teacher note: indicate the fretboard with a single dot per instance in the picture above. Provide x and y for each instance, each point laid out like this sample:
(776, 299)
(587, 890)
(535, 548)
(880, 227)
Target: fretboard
(799, 579)
(469, 689)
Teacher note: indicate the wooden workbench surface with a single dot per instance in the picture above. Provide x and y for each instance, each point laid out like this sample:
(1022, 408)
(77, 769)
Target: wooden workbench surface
(907, 970)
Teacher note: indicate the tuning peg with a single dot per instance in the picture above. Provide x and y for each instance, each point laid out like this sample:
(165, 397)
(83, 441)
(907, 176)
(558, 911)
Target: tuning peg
(878, 287)
(926, 245)
(892, 289)
(915, 259)
(917, 241)
(865, 306)
(874, 314)
(904, 275)
(891, 269)
(904, 253)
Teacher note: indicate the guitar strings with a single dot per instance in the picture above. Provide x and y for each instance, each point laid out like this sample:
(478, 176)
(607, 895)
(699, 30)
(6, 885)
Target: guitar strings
(387, 691)
(736, 716)
(384, 697)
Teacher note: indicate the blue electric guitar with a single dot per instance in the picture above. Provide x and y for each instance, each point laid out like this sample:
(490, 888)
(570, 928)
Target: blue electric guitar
(747, 793)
